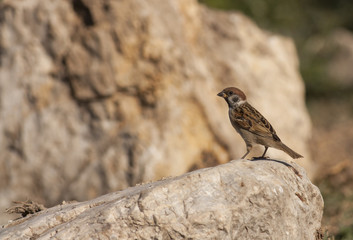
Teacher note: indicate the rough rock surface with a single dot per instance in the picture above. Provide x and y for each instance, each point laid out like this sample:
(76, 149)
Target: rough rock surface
(96, 96)
(242, 199)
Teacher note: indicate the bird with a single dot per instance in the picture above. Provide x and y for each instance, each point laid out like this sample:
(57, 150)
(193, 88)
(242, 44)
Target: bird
(251, 125)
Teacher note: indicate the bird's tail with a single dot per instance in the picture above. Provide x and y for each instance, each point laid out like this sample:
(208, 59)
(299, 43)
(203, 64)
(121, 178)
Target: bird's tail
(290, 152)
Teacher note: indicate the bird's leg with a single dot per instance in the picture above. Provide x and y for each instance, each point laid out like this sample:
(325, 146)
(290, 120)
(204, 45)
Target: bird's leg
(263, 155)
(248, 148)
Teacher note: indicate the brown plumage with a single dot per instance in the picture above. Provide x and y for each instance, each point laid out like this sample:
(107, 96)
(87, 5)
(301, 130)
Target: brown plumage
(250, 124)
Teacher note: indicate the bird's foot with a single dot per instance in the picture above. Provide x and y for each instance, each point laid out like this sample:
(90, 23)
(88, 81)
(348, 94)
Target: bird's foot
(261, 157)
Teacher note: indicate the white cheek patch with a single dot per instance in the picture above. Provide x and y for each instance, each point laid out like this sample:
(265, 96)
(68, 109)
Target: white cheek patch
(241, 102)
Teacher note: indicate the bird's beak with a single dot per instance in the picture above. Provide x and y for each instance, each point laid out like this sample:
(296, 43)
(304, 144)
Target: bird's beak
(222, 94)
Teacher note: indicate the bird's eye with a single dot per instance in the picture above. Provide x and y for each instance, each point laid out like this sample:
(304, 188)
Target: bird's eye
(230, 93)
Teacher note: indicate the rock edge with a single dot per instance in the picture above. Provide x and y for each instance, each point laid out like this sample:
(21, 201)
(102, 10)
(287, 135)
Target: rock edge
(262, 199)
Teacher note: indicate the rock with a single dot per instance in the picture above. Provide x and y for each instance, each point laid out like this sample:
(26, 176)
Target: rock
(96, 96)
(243, 199)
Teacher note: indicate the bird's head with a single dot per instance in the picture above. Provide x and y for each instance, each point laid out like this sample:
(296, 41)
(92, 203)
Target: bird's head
(233, 96)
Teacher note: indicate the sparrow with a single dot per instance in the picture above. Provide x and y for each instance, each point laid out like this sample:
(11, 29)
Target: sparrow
(251, 125)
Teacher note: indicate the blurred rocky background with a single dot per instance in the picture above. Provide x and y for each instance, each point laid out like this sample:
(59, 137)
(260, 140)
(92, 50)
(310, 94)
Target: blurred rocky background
(322, 31)
(96, 96)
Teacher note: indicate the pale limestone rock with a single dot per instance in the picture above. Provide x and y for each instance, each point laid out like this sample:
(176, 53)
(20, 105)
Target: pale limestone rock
(242, 199)
(96, 96)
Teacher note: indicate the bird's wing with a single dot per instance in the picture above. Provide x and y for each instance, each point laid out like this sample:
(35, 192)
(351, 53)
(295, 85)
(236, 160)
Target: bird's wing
(248, 118)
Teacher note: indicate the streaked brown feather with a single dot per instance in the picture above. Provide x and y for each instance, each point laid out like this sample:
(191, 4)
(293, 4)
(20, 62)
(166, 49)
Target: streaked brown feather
(243, 117)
